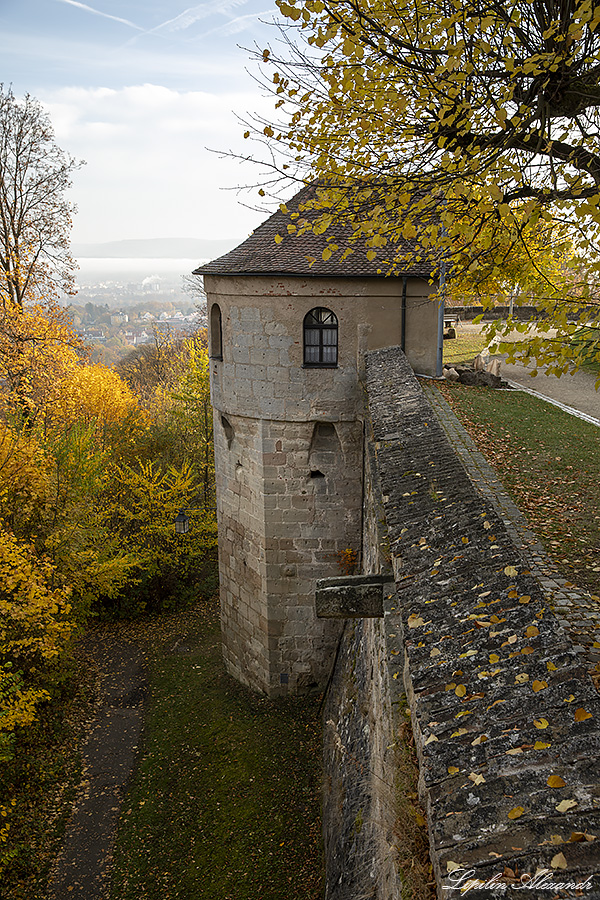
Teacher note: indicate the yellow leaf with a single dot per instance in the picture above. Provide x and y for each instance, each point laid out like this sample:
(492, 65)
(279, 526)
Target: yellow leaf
(494, 658)
(558, 861)
(453, 770)
(541, 723)
(510, 571)
(460, 690)
(414, 620)
(452, 866)
(476, 779)
(539, 685)
(541, 745)
(431, 739)
(582, 714)
(459, 732)
(566, 805)
(551, 667)
(525, 598)
(278, 239)
(515, 751)
(555, 781)
(516, 812)
(479, 740)
(532, 631)
(522, 678)
(435, 652)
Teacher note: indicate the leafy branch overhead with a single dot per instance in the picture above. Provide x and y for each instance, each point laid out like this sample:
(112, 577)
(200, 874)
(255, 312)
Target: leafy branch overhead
(470, 126)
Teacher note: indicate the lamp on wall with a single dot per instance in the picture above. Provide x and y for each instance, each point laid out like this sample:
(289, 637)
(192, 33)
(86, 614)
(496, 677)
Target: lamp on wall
(182, 522)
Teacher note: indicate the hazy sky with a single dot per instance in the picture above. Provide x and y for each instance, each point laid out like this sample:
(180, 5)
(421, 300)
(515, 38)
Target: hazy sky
(140, 89)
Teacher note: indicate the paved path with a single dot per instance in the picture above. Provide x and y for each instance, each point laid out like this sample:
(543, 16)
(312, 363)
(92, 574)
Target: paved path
(82, 870)
(579, 614)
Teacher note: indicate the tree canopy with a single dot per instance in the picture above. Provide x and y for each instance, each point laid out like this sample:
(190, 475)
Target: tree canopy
(466, 123)
(35, 216)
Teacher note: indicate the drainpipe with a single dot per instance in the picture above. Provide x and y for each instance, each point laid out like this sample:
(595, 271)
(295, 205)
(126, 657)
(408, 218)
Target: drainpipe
(403, 315)
(440, 323)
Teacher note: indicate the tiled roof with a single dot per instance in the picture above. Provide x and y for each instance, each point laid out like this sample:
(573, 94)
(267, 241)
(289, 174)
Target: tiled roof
(260, 253)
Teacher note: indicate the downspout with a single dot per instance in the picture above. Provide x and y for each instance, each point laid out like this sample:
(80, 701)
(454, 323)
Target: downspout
(403, 315)
(440, 322)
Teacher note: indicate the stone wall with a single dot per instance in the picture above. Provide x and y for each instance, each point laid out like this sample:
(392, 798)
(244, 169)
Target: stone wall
(504, 715)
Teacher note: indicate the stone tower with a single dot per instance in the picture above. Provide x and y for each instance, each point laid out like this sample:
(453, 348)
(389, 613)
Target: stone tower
(286, 341)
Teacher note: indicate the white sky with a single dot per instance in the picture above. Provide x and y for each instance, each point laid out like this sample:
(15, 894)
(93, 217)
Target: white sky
(140, 89)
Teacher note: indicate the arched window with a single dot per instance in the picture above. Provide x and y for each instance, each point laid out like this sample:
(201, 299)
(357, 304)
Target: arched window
(320, 337)
(216, 333)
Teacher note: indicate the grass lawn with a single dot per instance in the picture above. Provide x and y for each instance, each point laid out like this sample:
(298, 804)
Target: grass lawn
(463, 349)
(549, 462)
(225, 804)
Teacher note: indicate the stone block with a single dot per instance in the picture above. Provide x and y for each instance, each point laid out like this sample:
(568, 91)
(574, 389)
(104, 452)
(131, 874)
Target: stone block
(350, 597)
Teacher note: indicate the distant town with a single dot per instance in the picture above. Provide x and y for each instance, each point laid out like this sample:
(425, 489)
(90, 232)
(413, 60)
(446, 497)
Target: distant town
(130, 292)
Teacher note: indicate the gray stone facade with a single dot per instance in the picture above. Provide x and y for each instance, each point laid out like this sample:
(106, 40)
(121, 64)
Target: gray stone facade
(289, 459)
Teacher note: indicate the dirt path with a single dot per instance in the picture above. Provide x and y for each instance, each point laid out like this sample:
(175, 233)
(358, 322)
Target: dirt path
(82, 870)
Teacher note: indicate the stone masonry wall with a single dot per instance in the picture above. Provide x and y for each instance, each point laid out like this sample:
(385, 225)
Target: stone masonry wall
(504, 714)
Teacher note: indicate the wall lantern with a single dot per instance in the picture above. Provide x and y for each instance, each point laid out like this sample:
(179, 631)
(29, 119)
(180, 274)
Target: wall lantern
(182, 523)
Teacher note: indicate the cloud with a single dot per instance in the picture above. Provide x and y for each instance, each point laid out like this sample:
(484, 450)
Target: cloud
(149, 172)
(98, 12)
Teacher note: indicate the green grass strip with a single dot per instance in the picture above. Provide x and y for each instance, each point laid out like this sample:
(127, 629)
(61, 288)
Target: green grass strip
(226, 800)
(549, 461)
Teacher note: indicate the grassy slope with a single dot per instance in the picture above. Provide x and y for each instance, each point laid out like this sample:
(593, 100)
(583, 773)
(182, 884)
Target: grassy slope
(549, 461)
(226, 800)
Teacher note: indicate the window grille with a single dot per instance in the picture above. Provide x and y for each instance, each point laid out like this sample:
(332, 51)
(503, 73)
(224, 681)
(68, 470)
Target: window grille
(320, 337)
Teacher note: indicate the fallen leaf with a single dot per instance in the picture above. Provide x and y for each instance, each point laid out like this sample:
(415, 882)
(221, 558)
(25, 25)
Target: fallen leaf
(532, 631)
(510, 571)
(582, 714)
(521, 678)
(415, 621)
(541, 745)
(558, 861)
(479, 740)
(435, 652)
(539, 685)
(525, 598)
(431, 739)
(459, 732)
(551, 667)
(569, 699)
(476, 779)
(487, 526)
(516, 812)
(555, 781)
(565, 805)
(460, 690)
(541, 723)
(515, 751)
(452, 866)
(527, 650)
(494, 658)
(453, 770)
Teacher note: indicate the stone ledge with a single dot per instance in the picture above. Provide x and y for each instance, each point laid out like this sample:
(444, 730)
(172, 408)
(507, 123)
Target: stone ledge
(350, 597)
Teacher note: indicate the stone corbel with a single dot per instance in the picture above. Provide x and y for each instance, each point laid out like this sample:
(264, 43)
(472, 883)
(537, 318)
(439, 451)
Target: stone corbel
(351, 596)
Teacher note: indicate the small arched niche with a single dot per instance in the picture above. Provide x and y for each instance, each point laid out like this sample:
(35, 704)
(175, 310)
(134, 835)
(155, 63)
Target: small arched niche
(325, 454)
(216, 332)
(228, 429)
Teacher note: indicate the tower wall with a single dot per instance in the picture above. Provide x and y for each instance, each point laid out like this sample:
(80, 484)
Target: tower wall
(288, 460)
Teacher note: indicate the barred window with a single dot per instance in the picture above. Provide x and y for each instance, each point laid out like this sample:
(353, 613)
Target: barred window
(320, 337)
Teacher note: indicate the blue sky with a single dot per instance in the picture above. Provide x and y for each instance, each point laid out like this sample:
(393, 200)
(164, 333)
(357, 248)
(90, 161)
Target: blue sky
(140, 89)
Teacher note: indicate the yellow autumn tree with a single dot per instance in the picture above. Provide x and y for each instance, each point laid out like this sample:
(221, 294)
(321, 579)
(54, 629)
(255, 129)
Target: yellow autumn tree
(442, 122)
